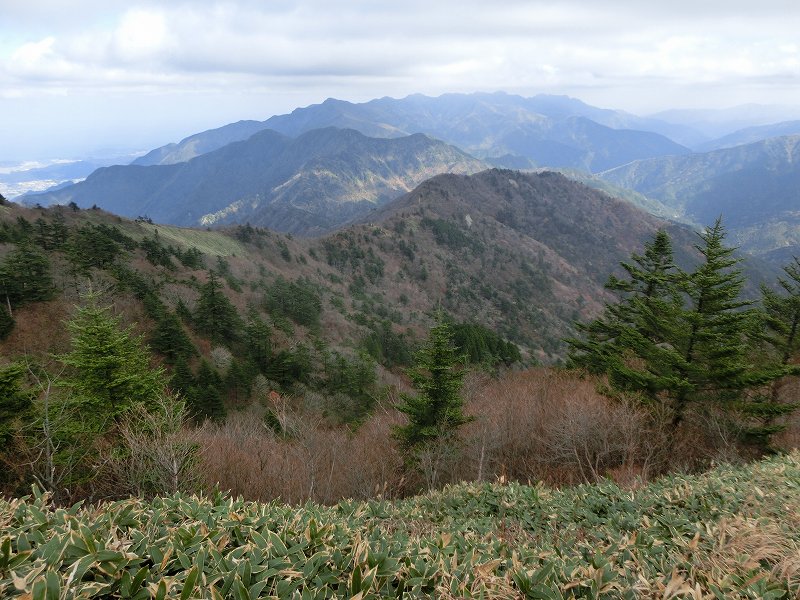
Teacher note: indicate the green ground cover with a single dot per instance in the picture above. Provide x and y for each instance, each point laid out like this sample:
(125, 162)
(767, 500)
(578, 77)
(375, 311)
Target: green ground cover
(731, 533)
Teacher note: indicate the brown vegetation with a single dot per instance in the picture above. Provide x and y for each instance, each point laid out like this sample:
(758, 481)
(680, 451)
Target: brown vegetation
(536, 425)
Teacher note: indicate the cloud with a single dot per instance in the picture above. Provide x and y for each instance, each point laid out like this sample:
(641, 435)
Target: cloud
(227, 54)
(467, 44)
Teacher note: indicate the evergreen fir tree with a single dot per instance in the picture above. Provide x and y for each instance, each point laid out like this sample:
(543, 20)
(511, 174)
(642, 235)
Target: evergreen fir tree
(680, 339)
(714, 343)
(15, 405)
(633, 342)
(436, 412)
(215, 317)
(170, 339)
(42, 234)
(182, 379)
(14, 400)
(782, 313)
(25, 276)
(781, 321)
(110, 367)
(290, 366)
(259, 343)
(205, 399)
(59, 233)
(238, 380)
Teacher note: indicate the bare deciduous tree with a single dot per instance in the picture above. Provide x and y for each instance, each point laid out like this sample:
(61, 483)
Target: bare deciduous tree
(158, 452)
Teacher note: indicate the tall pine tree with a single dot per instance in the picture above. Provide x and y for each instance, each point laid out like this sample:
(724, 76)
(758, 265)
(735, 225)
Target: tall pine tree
(717, 322)
(15, 400)
(204, 401)
(25, 276)
(680, 339)
(782, 313)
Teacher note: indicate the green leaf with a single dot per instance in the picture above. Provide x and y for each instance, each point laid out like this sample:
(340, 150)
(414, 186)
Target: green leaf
(189, 583)
(53, 585)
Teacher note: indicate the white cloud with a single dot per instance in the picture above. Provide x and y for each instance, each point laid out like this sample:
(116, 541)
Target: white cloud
(622, 53)
(193, 43)
(141, 35)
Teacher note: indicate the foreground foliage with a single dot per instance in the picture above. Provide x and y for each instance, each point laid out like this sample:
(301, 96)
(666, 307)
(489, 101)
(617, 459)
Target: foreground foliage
(730, 533)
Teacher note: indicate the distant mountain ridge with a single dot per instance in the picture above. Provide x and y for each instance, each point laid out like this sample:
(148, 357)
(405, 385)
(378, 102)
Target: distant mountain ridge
(554, 131)
(751, 135)
(306, 185)
(200, 143)
(755, 187)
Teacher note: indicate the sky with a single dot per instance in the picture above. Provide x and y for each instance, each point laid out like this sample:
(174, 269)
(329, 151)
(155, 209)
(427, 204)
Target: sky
(94, 77)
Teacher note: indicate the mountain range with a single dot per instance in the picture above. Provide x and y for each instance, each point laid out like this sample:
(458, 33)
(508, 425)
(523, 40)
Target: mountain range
(307, 185)
(321, 166)
(553, 131)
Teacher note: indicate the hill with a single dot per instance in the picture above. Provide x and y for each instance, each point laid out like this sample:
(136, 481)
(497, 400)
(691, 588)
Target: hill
(306, 185)
(730, 533)
(553, 131)
(527, 254)
(753, 186)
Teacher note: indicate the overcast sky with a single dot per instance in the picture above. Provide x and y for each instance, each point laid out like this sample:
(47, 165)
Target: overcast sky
(89, 76)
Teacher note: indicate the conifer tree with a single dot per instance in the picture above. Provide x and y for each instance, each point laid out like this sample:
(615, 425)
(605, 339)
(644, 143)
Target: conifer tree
(14, 400)
(59, 233)
(205, 399)
(436, 412)
(25, 276)
(170, 339)
(182, 379)
(715, 331)
(781, 320)
(7, 322)
(237, 381)
(215, 316)
(782, 313)
(633, 341)
(110, 366)
(682, 339)
(259, 343)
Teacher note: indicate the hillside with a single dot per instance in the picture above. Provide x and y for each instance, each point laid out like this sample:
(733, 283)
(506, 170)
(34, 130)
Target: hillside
(553, 131)
(290, 355)
(525, 255)
(753, 186)
(306, 185)
(730, 533)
